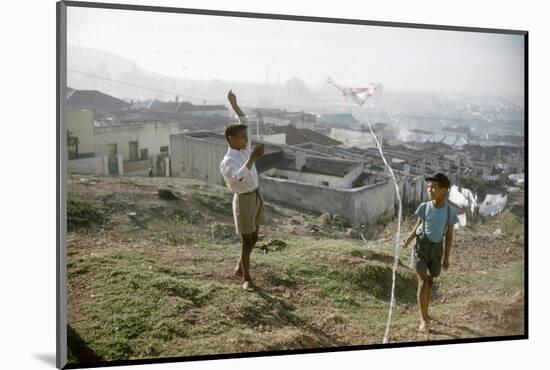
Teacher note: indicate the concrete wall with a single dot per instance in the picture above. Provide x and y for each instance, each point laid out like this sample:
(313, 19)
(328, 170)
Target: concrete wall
(318, 179)
(351, 136)
(137, 168)
(88, 166)
(212, 113)
(197, 158)
(151, 136)
(373, 203)
(275, 121)
(81, 124)
(368, 204)
(312, 197)
(308, 178)
(413, 190)
(274, 139)
(304, 124)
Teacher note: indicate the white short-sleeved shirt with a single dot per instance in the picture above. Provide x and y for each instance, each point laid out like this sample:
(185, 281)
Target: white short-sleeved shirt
(233, 168)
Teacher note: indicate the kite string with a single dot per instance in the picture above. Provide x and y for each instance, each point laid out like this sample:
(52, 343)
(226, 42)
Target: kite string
(360, 103)
(398, 234)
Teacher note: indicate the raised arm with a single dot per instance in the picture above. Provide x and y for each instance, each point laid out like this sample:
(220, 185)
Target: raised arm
(233, 101)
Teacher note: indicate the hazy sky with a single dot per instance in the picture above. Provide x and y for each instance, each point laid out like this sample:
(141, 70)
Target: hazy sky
(243, 49)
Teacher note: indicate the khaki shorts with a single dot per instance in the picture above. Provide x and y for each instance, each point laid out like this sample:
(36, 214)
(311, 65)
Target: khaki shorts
(248, 211)
(427, 256)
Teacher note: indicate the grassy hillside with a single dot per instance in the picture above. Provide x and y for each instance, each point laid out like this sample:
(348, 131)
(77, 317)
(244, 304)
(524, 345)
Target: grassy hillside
(149, 277)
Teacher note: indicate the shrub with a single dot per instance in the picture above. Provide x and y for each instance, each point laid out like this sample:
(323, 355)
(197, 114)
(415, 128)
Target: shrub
(81, 214)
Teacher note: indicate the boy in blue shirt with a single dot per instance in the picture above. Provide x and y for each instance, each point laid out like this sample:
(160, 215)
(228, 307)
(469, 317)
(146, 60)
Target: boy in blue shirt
(433, 229)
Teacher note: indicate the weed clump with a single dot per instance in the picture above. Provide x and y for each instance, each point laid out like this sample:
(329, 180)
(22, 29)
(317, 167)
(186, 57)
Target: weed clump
(372, 280)
(511, 226)
(215, 203)
(81, 214)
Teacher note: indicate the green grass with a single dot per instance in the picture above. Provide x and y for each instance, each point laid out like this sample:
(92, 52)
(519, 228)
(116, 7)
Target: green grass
(84, 214)
(215, 203)
(511, 224)
(132, 302)
(312, 293)
(508, 279)
(372, 280)
(172, 294)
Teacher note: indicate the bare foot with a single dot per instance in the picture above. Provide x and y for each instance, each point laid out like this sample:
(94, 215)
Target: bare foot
(247, 285)
(424, 327)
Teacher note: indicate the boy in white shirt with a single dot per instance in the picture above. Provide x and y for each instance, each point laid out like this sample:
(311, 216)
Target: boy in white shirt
(240, 175)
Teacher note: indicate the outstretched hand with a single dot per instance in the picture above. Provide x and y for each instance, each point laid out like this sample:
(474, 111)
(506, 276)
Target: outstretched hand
(258, 151)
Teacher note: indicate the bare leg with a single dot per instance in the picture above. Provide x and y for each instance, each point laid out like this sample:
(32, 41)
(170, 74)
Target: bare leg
(255, 235)
(238, 272)
(253, 238)
(247, 245)
(423, 299)
(430, 286)
(430, 296)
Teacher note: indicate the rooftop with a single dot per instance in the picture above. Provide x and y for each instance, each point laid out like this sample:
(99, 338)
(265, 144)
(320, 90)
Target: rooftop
(340, 119)
(296, 136)
(93, 99)
(319, 165)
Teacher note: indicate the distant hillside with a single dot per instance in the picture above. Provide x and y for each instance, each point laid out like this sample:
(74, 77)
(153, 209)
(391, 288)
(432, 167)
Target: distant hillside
(112, 66)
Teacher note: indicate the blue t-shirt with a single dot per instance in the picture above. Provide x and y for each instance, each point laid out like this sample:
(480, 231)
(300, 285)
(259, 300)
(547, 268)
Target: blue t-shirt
(435, 220)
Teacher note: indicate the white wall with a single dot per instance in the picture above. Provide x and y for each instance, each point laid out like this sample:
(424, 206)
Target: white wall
(197, 158)
(373, 203)
(305, 124)
(149, 136)
(318, 179)
(368, 204)
(137, 168)
(212, 113)
(81, 124)
(275, 121)
(274, 139)
(87, 166)
(351, 137)
(308, 178)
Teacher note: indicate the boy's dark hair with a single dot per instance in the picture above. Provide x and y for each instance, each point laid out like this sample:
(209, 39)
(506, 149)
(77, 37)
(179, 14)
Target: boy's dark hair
(232, 130)
(441, 179)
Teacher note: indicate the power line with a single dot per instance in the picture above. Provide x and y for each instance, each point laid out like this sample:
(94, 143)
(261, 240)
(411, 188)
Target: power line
(136, 85)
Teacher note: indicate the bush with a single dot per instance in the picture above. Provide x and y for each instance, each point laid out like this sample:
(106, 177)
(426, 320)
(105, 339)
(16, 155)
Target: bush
(82, 214)
(511, 226)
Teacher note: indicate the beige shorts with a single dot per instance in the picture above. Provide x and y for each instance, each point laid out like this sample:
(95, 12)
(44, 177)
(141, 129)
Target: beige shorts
(248, 211)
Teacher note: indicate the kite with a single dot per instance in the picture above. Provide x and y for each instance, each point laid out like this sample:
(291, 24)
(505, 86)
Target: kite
(358, 95)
